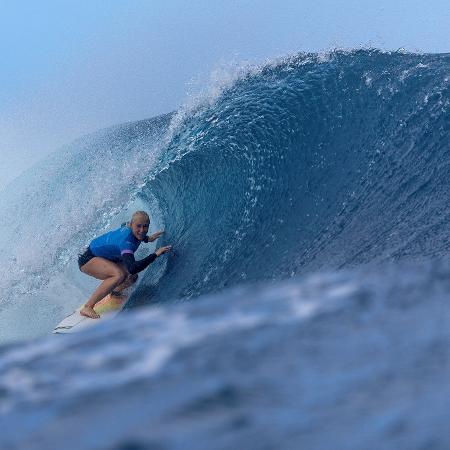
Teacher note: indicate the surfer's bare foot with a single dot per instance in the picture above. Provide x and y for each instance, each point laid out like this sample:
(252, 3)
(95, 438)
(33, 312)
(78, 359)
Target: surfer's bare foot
(87, 311)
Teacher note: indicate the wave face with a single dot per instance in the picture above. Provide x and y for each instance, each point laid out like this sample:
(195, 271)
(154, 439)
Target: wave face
(309, 163)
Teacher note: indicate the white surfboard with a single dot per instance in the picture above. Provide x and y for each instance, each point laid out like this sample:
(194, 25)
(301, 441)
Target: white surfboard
(107, 308)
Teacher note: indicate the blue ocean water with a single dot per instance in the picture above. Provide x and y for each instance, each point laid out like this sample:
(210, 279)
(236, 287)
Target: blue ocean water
(307, 203)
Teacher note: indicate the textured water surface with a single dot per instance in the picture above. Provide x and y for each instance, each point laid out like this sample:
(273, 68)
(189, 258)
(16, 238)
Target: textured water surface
(306, 301)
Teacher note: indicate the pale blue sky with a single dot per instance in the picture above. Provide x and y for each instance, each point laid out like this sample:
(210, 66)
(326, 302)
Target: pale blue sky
(71, 67)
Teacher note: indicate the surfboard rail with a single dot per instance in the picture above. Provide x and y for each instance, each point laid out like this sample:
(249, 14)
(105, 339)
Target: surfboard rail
(107, 308)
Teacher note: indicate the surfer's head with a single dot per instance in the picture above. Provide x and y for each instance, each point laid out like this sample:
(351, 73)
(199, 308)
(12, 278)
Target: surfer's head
(139, 223)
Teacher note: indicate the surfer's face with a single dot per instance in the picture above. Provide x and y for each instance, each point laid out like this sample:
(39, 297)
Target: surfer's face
(140, 227)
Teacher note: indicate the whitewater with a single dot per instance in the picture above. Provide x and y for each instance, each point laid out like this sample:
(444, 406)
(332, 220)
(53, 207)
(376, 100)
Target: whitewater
(305, 304)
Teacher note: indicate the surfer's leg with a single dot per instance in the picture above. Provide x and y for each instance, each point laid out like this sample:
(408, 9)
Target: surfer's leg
(112, 275)
(129, 280)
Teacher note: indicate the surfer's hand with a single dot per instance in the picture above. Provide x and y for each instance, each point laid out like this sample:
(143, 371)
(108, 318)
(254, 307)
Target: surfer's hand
(155, 236)
(162, 250)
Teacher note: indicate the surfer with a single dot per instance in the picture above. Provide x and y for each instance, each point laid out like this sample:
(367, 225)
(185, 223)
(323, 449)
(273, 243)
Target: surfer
(110, 258)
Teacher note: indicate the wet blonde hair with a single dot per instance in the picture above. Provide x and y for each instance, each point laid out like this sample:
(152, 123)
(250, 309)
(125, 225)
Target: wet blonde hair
(138, 214)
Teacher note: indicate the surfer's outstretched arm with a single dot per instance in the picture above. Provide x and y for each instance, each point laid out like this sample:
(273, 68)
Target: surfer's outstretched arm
(134, 266)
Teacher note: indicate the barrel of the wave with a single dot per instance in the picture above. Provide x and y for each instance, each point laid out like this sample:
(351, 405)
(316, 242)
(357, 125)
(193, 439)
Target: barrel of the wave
(106, 308)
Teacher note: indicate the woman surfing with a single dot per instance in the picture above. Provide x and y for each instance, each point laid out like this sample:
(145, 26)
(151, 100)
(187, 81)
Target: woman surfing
(110, 258)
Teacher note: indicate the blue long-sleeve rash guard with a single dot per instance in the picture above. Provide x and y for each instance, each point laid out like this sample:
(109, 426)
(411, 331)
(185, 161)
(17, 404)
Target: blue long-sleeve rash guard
(119, 246)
